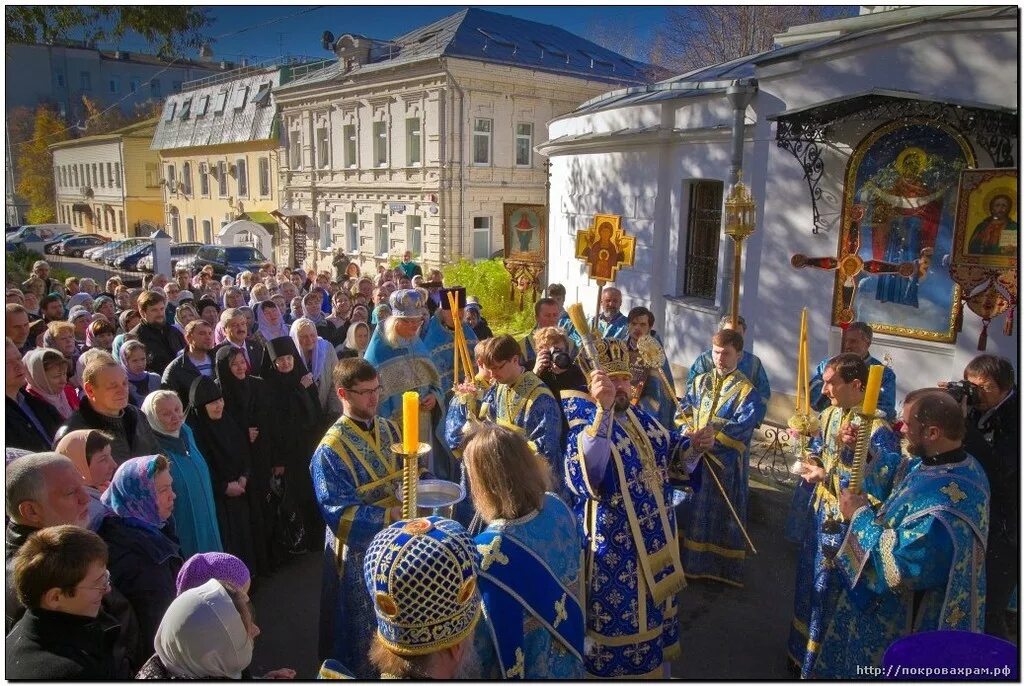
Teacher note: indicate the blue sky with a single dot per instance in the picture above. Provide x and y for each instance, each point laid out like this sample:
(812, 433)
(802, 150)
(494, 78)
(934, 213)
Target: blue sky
(273, 30)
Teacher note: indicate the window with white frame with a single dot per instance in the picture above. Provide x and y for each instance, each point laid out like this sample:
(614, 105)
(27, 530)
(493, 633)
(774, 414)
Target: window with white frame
(524, 145)
(481, 238)
(380, 143)
(190, 229)
(412, 142)
(242, 176)
(186, 178)
(222, 179)
(264, 168)
(240, 96)
(351, 161)
(482, 141)
(176, 228)
(414, 231)
(202, 105)
(171, 178)
(207, 231)
(352, 231)
(204, 179)
(117, 174)
(325, 231)
(95, 175)
(294, 150)
(220, 103)
(381, 246)
(323, 148)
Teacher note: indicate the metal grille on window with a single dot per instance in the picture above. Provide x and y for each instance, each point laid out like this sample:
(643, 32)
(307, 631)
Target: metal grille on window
(703, 227)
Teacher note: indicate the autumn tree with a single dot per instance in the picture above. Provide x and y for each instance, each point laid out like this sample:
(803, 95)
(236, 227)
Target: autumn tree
(701, 35)
(34, 162)
(172, 30)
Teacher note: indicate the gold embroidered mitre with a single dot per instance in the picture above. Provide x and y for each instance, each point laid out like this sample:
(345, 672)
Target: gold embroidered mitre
(613, 356)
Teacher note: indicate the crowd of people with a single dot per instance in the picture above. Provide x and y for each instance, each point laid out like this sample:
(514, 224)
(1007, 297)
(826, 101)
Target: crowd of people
(171, 446)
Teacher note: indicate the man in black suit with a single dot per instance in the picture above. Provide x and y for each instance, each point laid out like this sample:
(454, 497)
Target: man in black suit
(194, 361)
(162, 342)
(236, 328)
(30, 422)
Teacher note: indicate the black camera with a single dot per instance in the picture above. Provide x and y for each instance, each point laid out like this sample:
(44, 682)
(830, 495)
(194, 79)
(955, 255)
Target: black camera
(962, 389)
(560, 358)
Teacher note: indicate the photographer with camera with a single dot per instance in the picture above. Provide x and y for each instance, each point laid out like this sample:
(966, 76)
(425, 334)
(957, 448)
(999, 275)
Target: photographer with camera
(991, 405)
(555, 366)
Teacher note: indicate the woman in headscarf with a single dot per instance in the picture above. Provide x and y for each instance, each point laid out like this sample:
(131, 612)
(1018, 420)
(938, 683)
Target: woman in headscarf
(232, 297)
(225, 445)
(89, 450)
(195, 514)
(80, 298)
(144, 554)
(61, 337)
(47, 371)
(132, 358)
(246, 402)
(341, 305)
(319, 357)
(295, 406)
(296, 307)
(356, 340)
(100, 334)
(80, 319)
(128, 320)
(269, 322)
(105, 305)
(208, 311)
(184, 314)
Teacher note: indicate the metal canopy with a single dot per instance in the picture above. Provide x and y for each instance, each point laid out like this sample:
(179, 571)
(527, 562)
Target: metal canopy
(803, 131)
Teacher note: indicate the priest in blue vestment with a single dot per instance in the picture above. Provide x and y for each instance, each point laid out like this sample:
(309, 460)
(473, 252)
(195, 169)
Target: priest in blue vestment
(439, 337)
(610, 322)
(749, 364)
(648, 390)
(916, 562)
(857, 339)
(618, 461)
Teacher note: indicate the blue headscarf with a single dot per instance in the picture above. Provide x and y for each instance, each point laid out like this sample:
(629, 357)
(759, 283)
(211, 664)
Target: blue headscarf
(132, 496)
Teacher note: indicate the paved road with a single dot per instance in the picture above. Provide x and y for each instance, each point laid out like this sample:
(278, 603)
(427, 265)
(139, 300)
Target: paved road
(82, 267)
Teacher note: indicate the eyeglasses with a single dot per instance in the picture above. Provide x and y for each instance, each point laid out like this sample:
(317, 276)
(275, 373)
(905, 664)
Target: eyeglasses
(368, 391)
(105, 581)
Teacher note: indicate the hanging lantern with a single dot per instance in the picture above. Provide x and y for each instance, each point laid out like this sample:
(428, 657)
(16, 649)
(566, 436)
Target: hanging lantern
(739, 212)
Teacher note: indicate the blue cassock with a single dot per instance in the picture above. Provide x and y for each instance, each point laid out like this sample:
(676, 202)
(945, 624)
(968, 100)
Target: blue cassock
(440, 341)
(529, 578)
(750, 365)
(817, 579)
(916, 563)
(617, 328)
(713, 545)
(355, 476)
(410, 369)
(631, 559)
(886, 397)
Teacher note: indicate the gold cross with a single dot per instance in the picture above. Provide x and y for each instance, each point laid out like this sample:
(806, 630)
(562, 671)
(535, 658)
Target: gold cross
(954, 492)
(956, 616)
(492, 553)
(560, 613)
(519, 669)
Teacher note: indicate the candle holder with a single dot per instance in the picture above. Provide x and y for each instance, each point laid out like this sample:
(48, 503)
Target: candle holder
(802, 427)
(410, 476)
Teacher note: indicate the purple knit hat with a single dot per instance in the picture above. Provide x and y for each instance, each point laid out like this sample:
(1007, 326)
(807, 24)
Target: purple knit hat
(202, 567)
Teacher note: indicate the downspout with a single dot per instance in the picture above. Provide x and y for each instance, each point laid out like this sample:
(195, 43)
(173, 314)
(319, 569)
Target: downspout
(462, 169)
(739, 94)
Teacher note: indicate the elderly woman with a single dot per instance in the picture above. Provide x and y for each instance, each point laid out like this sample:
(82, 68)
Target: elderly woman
(89, 450)
(183, 314)
(100, 334)
(80, 319)
(232, 297)
(319, 357)
(105, 305)
(195, 511)
(47, 371)
(132, 358)
(144, 554)
(61, 336)
(356, 340)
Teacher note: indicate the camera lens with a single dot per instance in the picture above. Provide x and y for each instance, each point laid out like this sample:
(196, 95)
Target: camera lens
(560, 359)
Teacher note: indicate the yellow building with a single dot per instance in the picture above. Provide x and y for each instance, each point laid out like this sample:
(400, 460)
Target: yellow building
(218, 146)
(109, 184)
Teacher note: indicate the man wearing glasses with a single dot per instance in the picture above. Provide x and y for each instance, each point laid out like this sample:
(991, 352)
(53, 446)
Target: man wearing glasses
(355, 478)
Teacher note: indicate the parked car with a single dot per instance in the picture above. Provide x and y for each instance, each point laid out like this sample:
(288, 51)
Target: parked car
(50, 246)
(130, 261)
(127, 246)
(96, 254)
(179, 252)
(35, 233)
(227, 259)
(90, 253)
(77, 245)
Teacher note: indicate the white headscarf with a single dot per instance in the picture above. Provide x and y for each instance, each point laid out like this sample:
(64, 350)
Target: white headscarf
(149, 409)
(263, 326)
(316, 365)
(38, 382)
(202, 636)
(350, 337)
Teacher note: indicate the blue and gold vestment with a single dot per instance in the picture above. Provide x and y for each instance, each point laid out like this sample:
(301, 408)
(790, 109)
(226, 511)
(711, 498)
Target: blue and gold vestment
(915, 564)
(355, 477)
(631, 562)
(886, 397)
(530, 582)
(713, 545)
(439, 340)
(749, 364)
(817, 579)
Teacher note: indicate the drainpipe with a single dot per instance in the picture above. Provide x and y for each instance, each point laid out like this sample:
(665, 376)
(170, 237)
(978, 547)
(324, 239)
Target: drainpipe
(739, 94)
(459, 249)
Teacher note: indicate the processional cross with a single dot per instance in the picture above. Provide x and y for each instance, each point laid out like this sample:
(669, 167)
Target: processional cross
(851, 267)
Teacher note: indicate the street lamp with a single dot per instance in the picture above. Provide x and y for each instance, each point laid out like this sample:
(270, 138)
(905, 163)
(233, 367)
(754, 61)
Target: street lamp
(739, 225)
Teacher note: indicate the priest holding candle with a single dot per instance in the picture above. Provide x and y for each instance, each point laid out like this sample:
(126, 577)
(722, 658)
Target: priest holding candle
(356, 479)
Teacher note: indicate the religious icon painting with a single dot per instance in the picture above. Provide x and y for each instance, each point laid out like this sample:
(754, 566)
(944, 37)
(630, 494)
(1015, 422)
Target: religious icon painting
(987, 219)
(526, 233)
(605, 247)
(899, 215)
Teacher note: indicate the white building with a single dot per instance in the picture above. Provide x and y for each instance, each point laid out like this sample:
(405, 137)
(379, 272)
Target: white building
(416, 143)
(822, 106)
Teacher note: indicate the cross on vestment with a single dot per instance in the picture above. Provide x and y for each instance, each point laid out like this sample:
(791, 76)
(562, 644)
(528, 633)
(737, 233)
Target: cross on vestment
(851, 267)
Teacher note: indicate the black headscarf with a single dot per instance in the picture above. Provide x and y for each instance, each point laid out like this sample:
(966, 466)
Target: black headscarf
(279, 347)
(292, 402)
(239, 394)
(224, 444)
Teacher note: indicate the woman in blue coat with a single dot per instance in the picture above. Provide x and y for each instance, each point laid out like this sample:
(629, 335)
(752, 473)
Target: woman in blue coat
(195, 513)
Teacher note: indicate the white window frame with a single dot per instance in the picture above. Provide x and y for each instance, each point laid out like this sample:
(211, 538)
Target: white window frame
(222, 179)
(204, 180)
(186, 178)
(479, 133)
(172, 178)
(381, 230)
(380, 144)
(264, 171)
(414, 234)
(323, 147)
(207, 230)
(352, 231)
(242, 177)
(413, 142)
(324, 239)
(528, 137)
(351, 146)
(221, 102)
(238, 101)
(294, 149)
(481, 225)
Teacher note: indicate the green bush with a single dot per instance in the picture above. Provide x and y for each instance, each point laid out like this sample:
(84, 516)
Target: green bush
(18, 265)
(490, 282)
